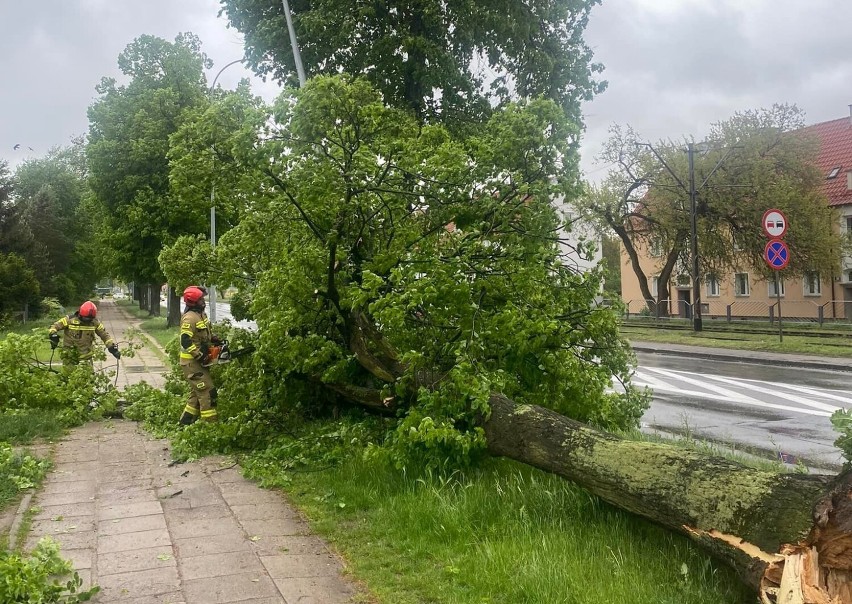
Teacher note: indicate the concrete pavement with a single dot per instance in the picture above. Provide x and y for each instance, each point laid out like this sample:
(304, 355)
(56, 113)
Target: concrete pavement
(149, 531)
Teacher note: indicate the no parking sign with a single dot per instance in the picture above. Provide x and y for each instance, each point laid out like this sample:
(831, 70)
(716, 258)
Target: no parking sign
(777, 254)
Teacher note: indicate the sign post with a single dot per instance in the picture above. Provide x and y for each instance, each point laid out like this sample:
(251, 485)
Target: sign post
(776, 253)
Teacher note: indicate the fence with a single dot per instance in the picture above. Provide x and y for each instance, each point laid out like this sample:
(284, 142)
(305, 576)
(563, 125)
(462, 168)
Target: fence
(802, 311)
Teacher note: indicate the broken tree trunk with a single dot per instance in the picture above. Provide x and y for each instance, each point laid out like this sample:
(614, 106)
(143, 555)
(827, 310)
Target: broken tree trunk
(789, 536)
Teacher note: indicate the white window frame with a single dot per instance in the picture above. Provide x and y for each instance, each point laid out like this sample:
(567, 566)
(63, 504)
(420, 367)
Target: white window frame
(812, 284)
(655, 286)
(770, 288)
(747, 291)
(848, 218)
(714, 289)
(655, 247)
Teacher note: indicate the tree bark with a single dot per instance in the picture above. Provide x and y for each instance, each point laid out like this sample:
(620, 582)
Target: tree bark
(154, 299)
(141, 291)
(787, 535)
(173, 319)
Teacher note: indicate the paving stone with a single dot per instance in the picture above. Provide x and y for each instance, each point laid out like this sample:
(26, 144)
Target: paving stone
(170, 598)
(141, 559)
(205, 527)
(233, 588)
(219, 565)
(122, 486)
(48, 511)
(217, 544)
(152, 582)
(228, 475)
(70, 476)
(263, 511)
(59, 498)
(81, 559)
(256, 497)
(71, 486)
(133, 541)
(208, 512)
(67, 540)
(315, 590)
(78, 524)
(135, 524)
(289, 544)
(127, 510)
(287, 566)
(125, 497)
(275, 526)
(74, 468)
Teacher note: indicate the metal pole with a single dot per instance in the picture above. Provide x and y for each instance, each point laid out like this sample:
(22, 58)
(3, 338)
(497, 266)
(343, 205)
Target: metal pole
(297, 57)
(696, 278)
(213, 199)
(778, 296)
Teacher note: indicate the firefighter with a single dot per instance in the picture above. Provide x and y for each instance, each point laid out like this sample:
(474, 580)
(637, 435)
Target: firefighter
(195, 341)
(79, 334)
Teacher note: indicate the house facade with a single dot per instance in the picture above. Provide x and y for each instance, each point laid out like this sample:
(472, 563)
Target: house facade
(747, 294)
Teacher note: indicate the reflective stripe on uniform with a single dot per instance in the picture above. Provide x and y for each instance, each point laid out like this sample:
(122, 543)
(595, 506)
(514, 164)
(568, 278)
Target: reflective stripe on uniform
(209, 413)
(191, 410)
(80, 328)
(64, 321)
(201, 324)
(200, 385)
(186, 355)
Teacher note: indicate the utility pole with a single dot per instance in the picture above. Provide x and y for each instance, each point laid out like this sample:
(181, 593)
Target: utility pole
(212, 289)
(696, 276)
(297, 57)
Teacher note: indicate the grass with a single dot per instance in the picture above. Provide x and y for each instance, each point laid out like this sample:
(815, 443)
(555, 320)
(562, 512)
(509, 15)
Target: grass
(502, 534)
(155, 327)
(731, 339)
(23, 426)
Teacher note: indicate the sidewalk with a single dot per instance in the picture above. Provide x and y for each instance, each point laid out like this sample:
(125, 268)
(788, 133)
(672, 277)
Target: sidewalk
(152, 532)
(745, 356)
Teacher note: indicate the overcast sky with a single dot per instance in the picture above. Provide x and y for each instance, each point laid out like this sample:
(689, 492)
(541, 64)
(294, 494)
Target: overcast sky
(673, 66)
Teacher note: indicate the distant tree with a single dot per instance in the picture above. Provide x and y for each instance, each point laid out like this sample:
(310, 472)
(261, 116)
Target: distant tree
(611, 252)
(129, 132)
(756, 160)
(18, 285)
(449, 61)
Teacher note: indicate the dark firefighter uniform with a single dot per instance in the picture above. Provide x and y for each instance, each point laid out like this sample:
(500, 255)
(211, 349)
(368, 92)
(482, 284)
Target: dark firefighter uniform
(195, 340)
(78, 338)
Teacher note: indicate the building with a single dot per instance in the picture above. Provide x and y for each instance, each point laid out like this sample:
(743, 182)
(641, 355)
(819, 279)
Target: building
(743, 294)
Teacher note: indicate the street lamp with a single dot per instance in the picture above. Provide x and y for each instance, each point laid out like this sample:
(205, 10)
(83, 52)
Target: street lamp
(213, 199)
(297, 57)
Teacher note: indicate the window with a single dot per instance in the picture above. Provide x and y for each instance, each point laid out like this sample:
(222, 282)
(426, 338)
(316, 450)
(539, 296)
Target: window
(655, 286)
(655, 247)
(771, 290)
(712, 286)
(849, 224)
(813, 287)
(741, 284)
(833, 173)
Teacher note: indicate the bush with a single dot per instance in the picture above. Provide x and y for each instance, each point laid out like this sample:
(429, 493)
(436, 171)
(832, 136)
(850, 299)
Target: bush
(33, 579)
(18, 472)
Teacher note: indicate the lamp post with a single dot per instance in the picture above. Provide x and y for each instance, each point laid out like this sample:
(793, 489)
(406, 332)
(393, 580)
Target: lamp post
(297, 57)
(213, 199)
(697, 324)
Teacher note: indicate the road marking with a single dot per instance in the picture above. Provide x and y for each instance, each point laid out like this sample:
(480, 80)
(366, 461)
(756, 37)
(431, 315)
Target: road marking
(727, 394)
(773, 391)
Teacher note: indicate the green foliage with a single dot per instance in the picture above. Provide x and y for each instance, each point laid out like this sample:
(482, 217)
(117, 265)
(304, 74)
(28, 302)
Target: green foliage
(410, 50)
(18, 285)
(841, 420)
(18, 472)
(129, 130)
(420, 268)
(29, 384)
(33, 579)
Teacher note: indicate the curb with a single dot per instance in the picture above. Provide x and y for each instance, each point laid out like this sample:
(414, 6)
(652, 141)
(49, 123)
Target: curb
(19, 518)
(774, 359)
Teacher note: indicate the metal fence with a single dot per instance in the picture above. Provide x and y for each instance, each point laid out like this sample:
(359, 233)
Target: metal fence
(802, 311)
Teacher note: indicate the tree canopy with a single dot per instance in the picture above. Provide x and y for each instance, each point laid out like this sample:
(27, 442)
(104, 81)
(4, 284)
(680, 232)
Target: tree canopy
(754, 161)
(448, 61)
(130, 127)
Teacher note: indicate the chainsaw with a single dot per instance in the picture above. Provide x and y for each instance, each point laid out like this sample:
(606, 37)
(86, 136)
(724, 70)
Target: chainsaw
(221, 353)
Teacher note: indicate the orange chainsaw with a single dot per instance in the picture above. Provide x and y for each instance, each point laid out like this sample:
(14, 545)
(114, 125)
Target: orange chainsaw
(219, 354)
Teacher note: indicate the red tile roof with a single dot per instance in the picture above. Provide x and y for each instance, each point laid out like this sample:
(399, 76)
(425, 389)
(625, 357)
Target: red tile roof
(835, 151)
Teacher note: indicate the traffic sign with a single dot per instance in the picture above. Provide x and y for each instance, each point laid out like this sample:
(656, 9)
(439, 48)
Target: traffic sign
(777, 254)
(774, 223)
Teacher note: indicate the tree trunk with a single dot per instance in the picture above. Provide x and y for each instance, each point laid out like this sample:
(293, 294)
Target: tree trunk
(142, 295)
(789, 536)
(154, 299)
(174, 308)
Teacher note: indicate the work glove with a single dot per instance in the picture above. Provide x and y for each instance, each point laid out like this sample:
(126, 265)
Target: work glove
(54, 340)
(113, 350)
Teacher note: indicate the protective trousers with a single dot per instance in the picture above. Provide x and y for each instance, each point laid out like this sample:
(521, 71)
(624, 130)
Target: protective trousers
(202, 395)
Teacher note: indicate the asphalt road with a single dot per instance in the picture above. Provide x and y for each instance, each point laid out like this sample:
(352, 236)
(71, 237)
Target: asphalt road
(775, 410)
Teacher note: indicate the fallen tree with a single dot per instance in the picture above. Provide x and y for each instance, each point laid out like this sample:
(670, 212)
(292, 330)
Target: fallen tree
(415, 274)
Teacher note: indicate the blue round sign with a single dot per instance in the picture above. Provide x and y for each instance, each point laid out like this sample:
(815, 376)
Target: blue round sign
(777, 254)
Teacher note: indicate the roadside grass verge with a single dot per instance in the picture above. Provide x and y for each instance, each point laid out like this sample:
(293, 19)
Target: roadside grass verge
(734, 340)
(40, 326)
(157, 329)
(501, 534)
(22, 426)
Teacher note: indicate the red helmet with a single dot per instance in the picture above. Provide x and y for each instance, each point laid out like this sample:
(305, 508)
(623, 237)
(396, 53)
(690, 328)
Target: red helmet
(192, 295)
(88, 310)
